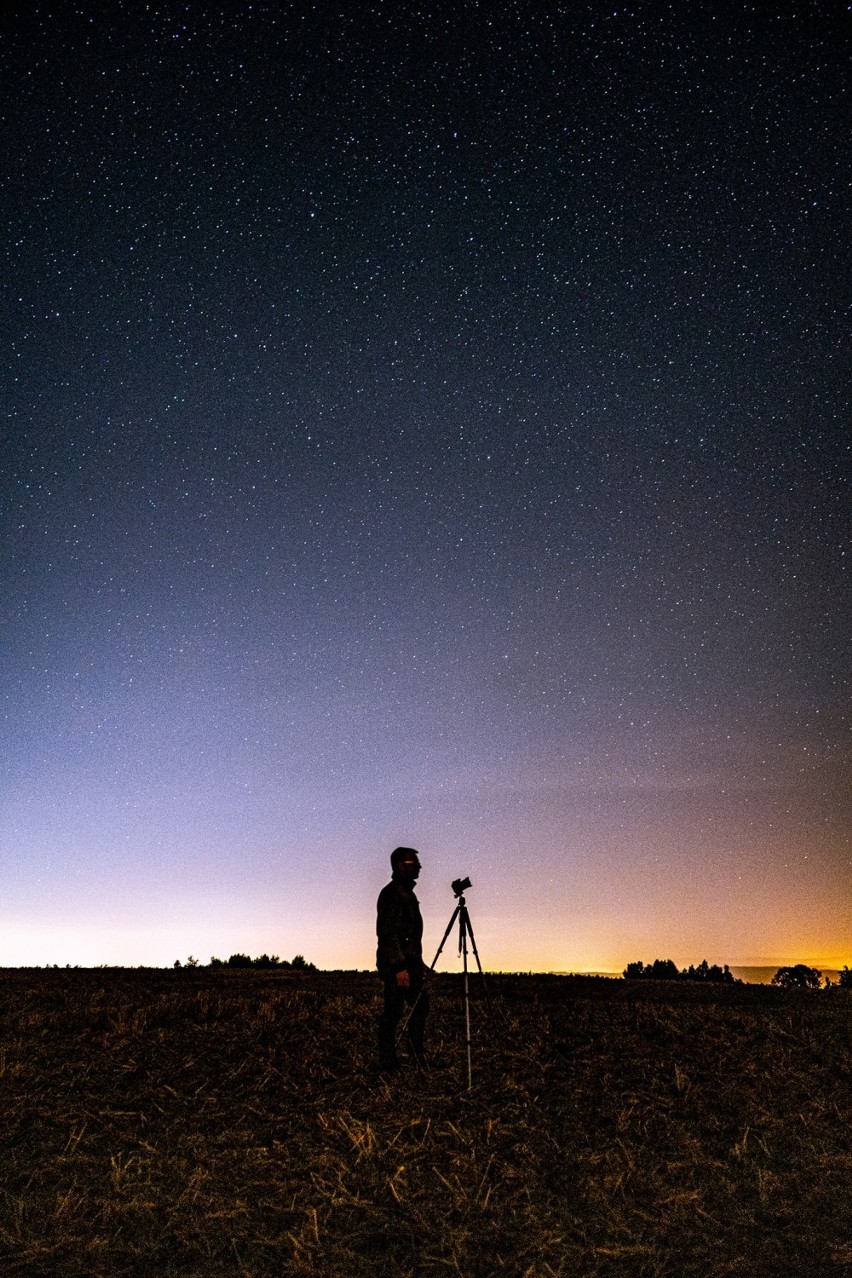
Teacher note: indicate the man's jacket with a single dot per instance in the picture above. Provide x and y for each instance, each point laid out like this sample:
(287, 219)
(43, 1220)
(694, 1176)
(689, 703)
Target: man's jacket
(399, 929)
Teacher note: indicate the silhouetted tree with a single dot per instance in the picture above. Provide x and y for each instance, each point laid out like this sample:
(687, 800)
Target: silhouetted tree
(709, 972)
(666, 970)
(799, 976)
(263, 961)
(659, 970)
(844, 978)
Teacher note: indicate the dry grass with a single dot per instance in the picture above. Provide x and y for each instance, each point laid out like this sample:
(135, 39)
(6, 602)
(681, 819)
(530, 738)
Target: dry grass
(231, 1123)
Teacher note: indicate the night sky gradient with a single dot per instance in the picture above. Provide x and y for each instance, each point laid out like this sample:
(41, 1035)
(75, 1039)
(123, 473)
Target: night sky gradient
(425, 424)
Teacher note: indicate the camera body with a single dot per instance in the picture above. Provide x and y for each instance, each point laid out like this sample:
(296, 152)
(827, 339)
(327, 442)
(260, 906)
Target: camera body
(460, 885)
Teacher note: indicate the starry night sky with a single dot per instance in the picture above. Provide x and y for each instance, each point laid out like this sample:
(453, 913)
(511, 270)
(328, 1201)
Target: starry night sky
(425, 424)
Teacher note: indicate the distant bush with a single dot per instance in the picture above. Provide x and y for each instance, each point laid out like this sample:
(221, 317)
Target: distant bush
(299, 963)
(798, 977)
(666, 970)
(659, 970)
(709, 972)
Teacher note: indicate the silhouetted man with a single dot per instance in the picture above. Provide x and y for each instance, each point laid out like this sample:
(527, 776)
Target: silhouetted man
(399, 958)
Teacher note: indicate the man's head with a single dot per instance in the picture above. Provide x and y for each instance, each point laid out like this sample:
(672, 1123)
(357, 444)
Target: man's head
(405, 862)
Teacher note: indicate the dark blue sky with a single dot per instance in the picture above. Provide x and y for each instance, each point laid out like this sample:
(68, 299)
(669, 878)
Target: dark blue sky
(425, 424)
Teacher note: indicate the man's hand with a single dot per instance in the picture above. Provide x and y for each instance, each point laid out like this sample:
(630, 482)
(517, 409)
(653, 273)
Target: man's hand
(403, 980)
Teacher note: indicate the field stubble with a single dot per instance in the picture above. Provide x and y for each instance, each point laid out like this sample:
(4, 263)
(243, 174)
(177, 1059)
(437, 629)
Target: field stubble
(206, 1123)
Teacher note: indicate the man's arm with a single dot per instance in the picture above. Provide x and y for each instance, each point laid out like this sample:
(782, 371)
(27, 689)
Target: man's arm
(389, 919)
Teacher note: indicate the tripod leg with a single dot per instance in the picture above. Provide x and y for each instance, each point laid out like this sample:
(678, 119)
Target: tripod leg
(455, 914)
(463, 940)
(466, 923)
(415, 1024)
(444, 938)
(404, 1023)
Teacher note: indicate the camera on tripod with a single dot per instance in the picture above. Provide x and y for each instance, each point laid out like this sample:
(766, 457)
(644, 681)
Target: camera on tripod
(460, 885)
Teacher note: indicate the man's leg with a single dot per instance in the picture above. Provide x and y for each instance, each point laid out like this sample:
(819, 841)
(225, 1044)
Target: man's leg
(388, 1021)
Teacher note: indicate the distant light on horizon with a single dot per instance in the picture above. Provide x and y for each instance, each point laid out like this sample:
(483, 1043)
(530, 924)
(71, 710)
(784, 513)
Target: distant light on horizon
(127, 943)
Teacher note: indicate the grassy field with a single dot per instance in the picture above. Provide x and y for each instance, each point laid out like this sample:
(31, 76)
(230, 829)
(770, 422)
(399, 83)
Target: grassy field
(200, 1123)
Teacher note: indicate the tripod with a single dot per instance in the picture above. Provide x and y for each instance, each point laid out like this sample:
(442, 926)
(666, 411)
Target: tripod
(465, 930)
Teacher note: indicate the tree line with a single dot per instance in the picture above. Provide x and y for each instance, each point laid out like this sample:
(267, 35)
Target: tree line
(296, 964)
(796, 976)
(802, 977)
(666, 970)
